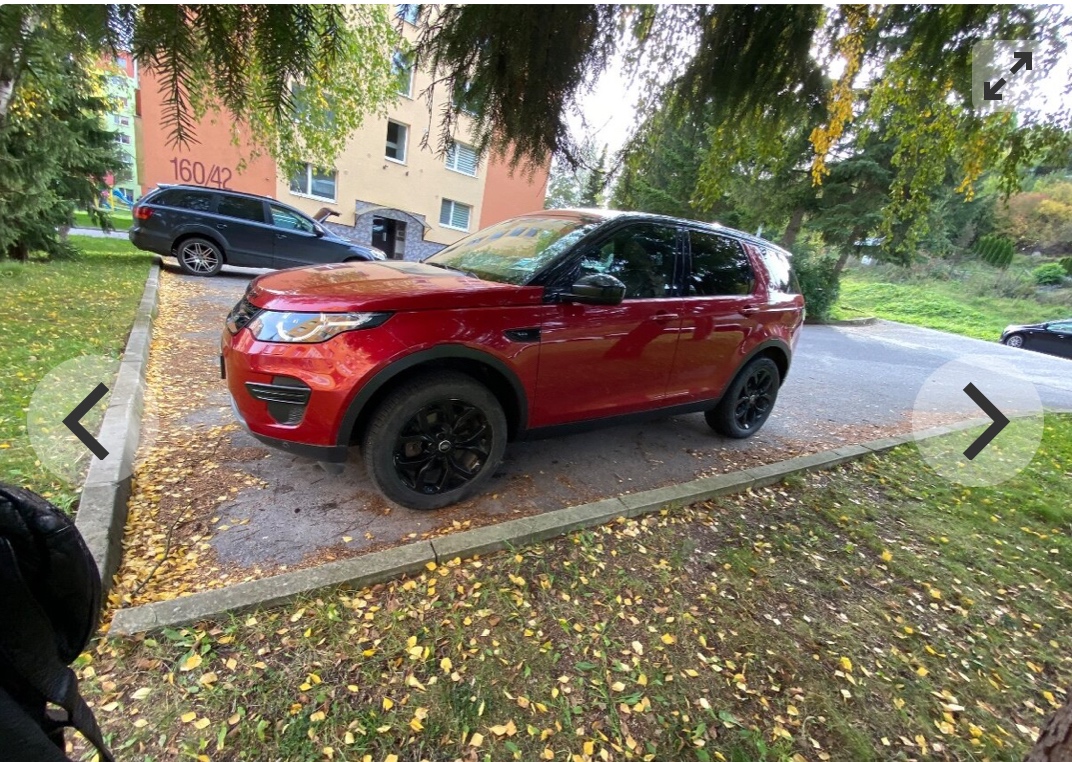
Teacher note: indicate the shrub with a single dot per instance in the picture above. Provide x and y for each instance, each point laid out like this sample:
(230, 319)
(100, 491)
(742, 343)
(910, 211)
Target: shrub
(995, 250)
(1066, 262)
(1049, 274)
(819, 282)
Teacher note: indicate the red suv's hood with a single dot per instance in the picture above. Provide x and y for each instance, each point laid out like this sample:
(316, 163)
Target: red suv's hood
(387, 286)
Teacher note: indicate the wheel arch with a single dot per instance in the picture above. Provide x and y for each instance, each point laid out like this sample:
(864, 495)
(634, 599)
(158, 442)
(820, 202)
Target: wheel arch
(776, 350)
(488, 370)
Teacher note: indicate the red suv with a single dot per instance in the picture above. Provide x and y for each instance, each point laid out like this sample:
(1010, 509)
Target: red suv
(542, 323)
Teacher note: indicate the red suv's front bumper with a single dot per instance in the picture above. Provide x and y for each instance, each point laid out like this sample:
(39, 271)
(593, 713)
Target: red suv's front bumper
(296, 396)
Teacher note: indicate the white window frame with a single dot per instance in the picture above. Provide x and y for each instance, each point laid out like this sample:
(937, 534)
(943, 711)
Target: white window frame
(309, 185)
(452, 153)
(404, 143)
(454, 205)
(400, 55)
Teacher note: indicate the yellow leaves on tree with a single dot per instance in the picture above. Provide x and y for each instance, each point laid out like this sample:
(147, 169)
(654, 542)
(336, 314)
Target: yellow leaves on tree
(850, 47)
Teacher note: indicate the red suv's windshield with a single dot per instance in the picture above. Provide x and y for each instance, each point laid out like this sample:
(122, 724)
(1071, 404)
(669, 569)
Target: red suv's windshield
(515, 250)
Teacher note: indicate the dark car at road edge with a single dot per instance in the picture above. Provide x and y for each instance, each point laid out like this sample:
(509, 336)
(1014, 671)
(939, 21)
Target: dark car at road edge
(206, 228)
(545, 323)
(1053, 337)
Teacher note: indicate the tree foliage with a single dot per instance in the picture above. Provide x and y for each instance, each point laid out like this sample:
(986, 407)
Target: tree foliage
(755, 68)
(578, 185)
(995, 250)
(54, 149)
(303, 76)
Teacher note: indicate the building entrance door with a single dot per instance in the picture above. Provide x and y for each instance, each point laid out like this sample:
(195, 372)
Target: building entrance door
(389, 236)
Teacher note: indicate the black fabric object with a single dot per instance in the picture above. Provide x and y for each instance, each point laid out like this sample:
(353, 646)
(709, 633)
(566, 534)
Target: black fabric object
(50, 596)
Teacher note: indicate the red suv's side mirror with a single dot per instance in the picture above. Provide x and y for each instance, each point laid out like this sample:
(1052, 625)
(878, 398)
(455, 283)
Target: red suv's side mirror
(598, 288)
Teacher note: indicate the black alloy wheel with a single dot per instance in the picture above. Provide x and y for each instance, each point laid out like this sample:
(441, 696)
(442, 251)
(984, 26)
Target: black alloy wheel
(435, 440)
(442, 447)
(748, 401)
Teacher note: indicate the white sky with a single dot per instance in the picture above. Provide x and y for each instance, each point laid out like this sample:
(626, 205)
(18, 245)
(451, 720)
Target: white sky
(607, 112)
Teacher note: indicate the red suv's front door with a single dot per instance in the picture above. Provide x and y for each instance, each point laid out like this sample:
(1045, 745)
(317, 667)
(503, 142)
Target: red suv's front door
(601, 360)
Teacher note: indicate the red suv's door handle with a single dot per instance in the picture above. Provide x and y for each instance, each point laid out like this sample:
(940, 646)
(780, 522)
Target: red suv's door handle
(749, 310)
(664, 317)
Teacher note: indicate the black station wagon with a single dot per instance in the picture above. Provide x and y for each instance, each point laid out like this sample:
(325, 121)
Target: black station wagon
(205, 229)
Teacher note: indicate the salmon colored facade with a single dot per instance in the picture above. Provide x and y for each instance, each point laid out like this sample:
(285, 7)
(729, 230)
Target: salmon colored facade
(508, 193)
(214, 160)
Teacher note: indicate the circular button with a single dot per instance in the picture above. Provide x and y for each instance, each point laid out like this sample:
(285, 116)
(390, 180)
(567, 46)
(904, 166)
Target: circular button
(961, 389)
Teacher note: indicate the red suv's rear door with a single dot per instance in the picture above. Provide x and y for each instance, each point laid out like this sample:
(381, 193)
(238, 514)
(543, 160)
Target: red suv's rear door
(718, 314)
(601, 360)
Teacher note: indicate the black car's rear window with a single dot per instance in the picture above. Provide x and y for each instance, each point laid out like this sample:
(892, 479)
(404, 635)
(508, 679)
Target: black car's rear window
(198, 201)
(241, 208)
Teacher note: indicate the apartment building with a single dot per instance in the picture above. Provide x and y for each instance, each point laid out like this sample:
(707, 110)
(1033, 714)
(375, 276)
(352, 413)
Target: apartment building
(121, 88)
(385, 189)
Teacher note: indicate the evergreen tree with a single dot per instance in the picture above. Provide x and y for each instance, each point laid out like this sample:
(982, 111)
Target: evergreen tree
(54, 154)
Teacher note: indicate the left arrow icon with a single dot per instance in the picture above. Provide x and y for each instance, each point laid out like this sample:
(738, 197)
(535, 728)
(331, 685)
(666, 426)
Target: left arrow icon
(74, 418)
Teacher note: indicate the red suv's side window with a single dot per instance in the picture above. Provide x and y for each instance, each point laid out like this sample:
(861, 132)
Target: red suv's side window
(720, 267)
(643, 257)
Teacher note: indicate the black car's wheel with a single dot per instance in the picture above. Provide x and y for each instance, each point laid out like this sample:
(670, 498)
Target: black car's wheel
(748, 401)
(199, 256)
(1016, 341)
(435, 441)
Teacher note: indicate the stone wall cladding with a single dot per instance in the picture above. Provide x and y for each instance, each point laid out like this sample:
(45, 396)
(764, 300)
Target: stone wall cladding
(414, 248)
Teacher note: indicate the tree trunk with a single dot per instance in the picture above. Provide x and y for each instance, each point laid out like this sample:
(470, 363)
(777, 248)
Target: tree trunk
(857, 233)
(1055, 741)
(793, 228)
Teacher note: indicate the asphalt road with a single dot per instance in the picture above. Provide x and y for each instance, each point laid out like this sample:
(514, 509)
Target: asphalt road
(847, 384)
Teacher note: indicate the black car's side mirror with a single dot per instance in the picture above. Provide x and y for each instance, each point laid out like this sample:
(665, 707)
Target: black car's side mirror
(320, 232)
(598, 288)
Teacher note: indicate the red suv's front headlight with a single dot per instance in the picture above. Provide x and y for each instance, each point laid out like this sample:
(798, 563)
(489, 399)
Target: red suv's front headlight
(310, 327)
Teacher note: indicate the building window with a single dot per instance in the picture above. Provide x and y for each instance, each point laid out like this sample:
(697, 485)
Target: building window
(462, 158)
(311, 181)
(123, 138)
(463, 100)
(121, 62)
(408, 13)
(396, 141)
(454, 215)
(402, 68)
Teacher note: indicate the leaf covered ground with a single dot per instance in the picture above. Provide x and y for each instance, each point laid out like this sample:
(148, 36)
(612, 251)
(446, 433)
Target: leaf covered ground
(873, 612)
(52, 312)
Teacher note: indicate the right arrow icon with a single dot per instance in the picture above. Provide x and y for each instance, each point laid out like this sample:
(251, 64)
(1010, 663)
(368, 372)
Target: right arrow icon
(998, 418)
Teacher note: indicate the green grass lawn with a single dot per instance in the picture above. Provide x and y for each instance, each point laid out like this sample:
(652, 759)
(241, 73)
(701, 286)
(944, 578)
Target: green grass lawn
(944, 305)
(121, 220)
(875, 612)
(52, 312)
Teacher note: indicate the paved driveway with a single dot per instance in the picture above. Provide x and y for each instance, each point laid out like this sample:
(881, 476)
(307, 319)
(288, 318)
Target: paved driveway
(846, 384)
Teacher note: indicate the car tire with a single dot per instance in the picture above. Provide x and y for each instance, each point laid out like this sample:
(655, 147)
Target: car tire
(1016, 341)
(413, 445)
(748, 401)
(199, 256)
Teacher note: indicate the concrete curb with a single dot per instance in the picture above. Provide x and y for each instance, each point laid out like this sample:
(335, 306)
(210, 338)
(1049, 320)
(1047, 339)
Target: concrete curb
(370, 569)
(102, 509)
